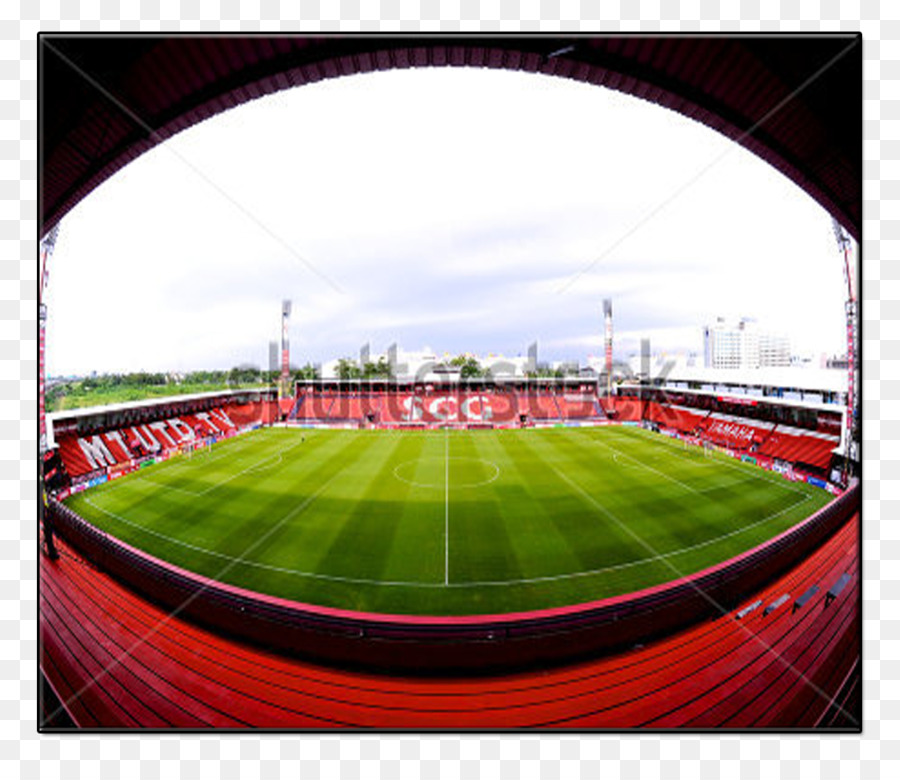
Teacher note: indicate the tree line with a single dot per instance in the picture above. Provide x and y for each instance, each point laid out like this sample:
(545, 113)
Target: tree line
(114, 387)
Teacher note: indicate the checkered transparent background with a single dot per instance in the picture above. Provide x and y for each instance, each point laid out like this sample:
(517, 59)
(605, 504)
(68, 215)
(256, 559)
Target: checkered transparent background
(25, 754)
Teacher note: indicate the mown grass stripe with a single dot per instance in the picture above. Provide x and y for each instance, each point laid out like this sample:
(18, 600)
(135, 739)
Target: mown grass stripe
(515, 539)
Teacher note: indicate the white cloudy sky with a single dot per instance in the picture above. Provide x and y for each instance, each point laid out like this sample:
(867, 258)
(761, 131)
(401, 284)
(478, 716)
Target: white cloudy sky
(466, 210)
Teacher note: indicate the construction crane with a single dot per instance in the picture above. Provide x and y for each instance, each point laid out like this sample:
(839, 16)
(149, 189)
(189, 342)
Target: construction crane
(851, 428)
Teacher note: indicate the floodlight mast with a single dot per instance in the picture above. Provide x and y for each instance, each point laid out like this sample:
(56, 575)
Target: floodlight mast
(285, 349)
(845, 247)
(48, 244)
(607, 316)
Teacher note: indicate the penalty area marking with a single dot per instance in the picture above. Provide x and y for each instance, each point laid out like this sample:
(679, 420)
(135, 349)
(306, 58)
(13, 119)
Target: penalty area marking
(722, 459)
(276, 459)
(167, 487)
(445, 483)
(699, 491)
(260, 465)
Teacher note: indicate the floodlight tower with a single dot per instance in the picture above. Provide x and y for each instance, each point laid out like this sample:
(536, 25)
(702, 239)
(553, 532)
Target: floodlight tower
(48, 244)
(285, 349)
(607, 316)
(851, 318)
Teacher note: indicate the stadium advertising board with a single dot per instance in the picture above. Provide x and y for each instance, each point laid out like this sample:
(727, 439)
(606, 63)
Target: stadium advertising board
(447, 408)
(725, 399)
(116, 447)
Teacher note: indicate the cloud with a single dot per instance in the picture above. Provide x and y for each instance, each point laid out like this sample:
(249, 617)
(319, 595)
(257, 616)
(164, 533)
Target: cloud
(436, 206)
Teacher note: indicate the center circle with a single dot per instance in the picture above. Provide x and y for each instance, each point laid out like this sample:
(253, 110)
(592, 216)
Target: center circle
(439, 472)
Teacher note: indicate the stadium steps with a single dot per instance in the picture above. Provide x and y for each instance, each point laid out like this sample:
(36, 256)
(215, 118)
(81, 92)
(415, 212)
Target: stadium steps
(295, 409)
(709, 667)
(778, 692)
(174, 673)
(798, 446)
(559, 413)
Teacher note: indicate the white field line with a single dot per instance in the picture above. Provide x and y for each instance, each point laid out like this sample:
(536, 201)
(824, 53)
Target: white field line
(478, 584)
(709, 599)
(734, 483)
(434, 485)
(184, 605)
(289, 516)
(258, 464)
(728, 485)
(649, 468)
(225, 448)
(446, 507)
(267, 465)
(171, 465)
(756, 471)
(167, 487)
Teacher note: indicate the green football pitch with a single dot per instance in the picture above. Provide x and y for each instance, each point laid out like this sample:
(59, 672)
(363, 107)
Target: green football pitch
(448, 522)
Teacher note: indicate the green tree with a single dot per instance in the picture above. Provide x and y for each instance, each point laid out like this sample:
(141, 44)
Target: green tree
(381, 369)
(469, 367)
(347, 369)
(244, 375)
(309, 371)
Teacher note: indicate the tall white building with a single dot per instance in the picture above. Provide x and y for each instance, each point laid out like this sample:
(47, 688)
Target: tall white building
(743, 345)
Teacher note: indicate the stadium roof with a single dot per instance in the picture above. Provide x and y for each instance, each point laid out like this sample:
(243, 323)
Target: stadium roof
(794, 101)
(788, 377)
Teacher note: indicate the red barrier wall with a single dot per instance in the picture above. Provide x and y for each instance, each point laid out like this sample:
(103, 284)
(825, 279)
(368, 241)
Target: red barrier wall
(443, 644)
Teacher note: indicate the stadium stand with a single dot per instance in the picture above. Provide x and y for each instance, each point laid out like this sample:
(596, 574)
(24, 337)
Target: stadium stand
(504, 406)
(800, 446)
(577, 406)
(307, 407)
(86, 451)
(625, 408)
(715, 673)
(738, 433)
(390, 409)
(116, 660)
(430, 406)
(764, 434)
(680, 418)
(539, 406)
(347, 407)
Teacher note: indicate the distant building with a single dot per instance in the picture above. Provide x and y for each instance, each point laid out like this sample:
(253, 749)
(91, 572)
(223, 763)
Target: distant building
(774, 350)
(743, 345)
(532, 362)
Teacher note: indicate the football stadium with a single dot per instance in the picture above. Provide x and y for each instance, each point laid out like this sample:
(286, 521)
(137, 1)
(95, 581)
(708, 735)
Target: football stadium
(447, 552)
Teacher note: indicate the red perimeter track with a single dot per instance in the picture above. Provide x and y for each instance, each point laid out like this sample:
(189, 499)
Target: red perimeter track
(118, 661)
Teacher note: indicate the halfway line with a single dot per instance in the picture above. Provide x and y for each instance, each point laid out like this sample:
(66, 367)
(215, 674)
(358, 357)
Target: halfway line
(446, 507)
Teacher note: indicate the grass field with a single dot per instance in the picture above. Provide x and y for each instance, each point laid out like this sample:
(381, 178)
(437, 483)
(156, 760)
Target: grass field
(448, 522)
